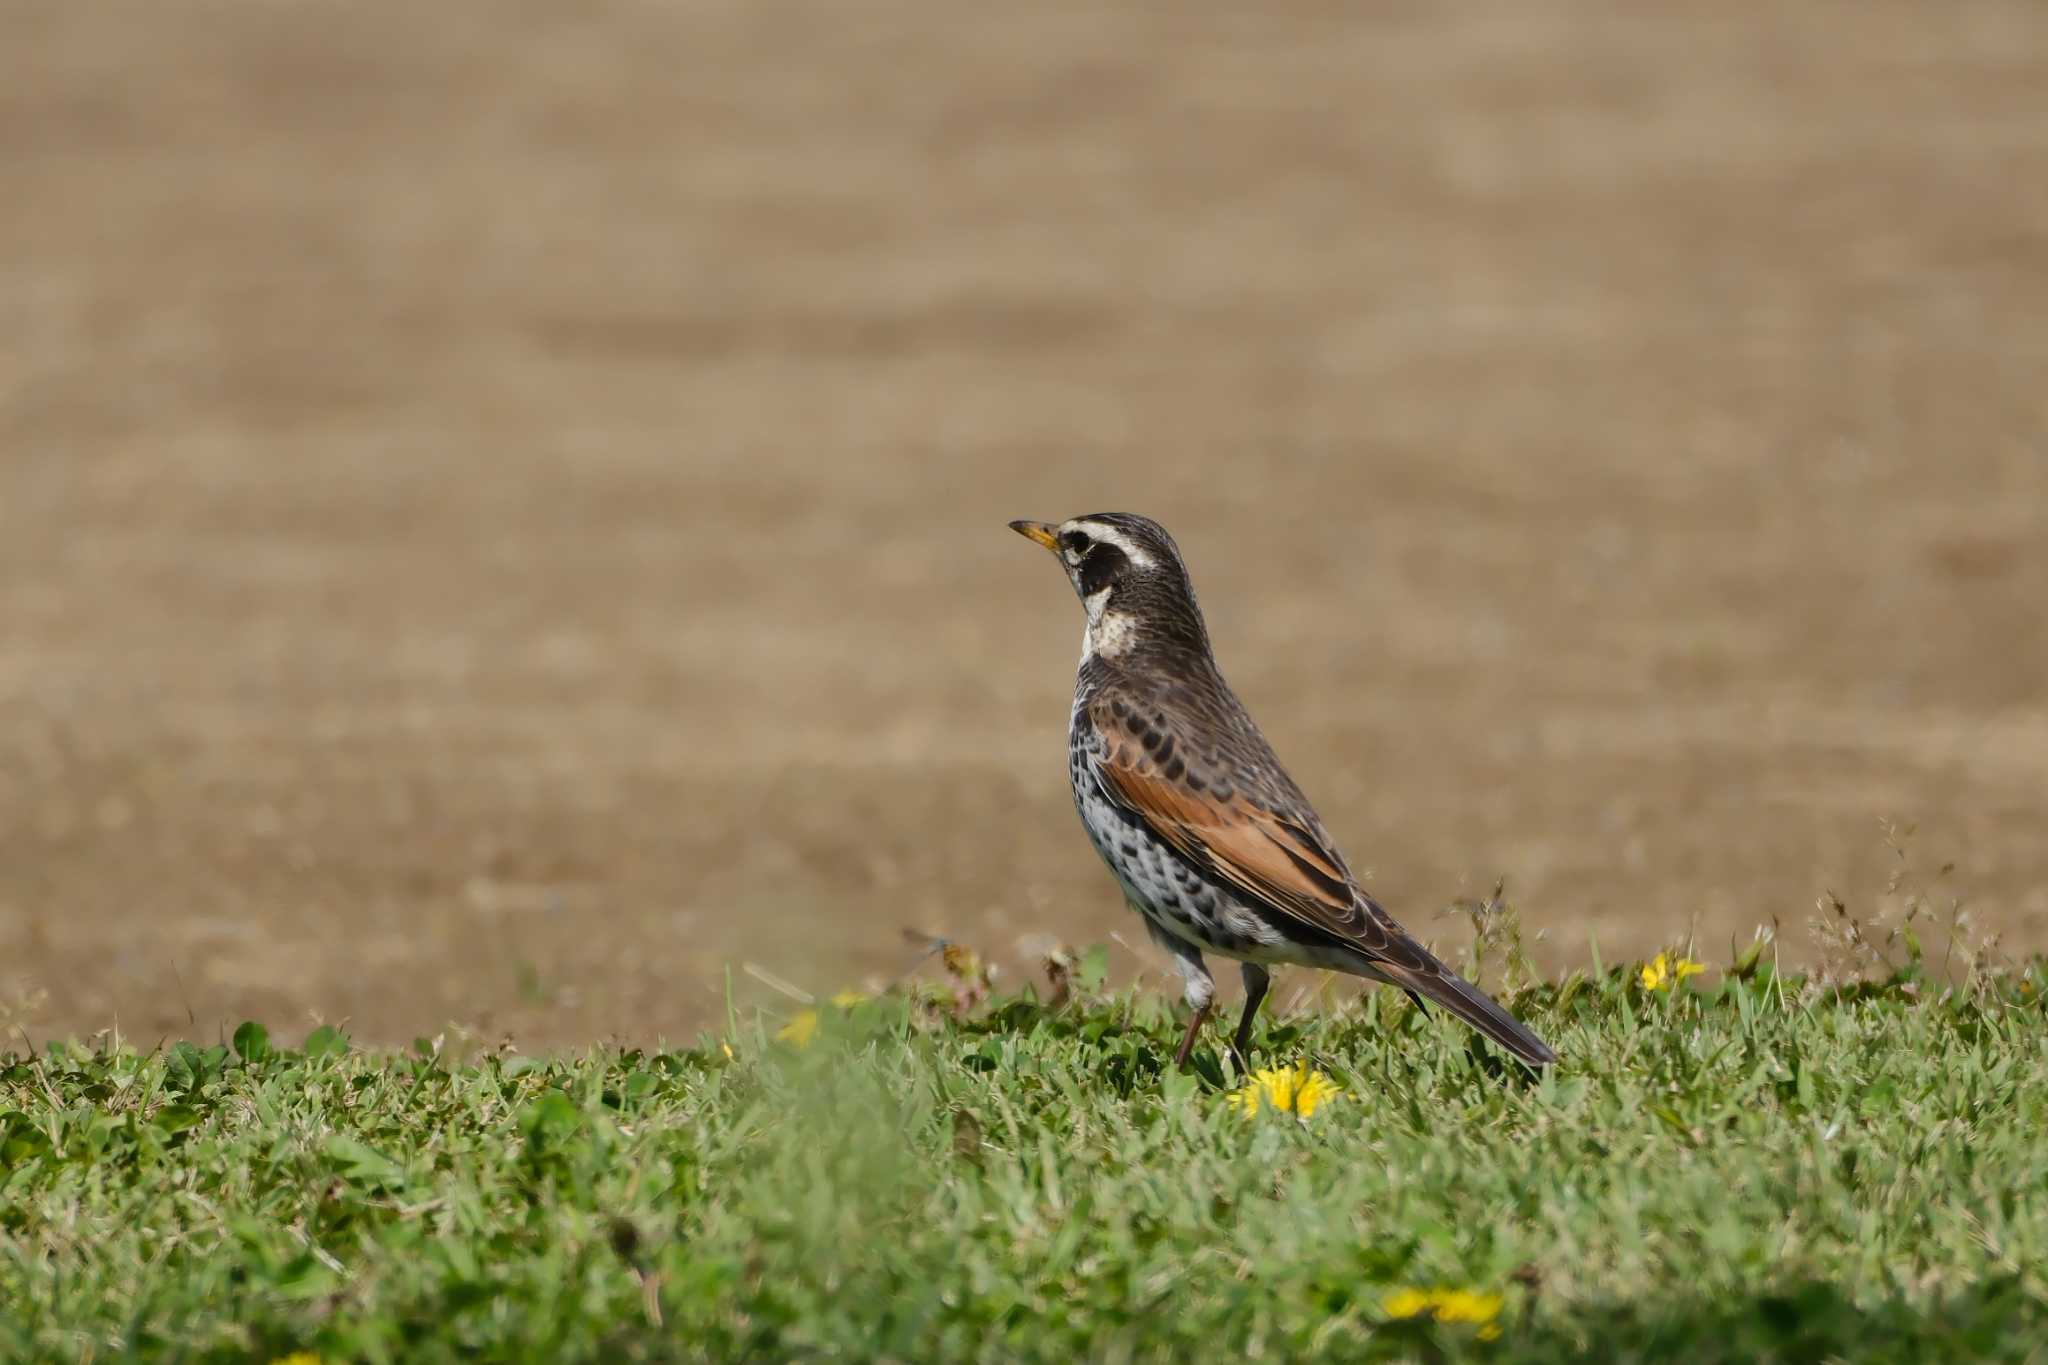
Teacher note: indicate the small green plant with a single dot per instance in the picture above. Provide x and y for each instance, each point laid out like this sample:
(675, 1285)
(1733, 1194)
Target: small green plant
(1497, 938)
(1888, 947)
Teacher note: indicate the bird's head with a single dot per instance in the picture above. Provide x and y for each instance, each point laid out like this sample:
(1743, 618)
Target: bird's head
(1129, 576)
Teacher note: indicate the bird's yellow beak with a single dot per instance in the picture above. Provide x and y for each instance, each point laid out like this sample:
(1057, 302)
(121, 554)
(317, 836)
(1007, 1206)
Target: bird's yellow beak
(1048, 536)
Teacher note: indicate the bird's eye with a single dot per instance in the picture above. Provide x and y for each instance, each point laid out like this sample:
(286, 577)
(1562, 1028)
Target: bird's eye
(1074, 543)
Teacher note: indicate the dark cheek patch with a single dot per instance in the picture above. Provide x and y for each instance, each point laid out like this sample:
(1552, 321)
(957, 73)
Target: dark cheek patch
(1103, 566)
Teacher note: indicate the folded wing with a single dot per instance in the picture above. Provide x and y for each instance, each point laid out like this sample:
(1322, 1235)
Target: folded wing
(1279, 860)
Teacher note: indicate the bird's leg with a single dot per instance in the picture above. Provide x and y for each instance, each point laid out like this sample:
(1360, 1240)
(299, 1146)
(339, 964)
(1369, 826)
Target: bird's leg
(1201, 991)
(1256, 980)
(1187, 1044)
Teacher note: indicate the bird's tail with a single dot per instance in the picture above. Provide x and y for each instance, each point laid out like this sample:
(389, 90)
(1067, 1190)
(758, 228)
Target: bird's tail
(1434, 981)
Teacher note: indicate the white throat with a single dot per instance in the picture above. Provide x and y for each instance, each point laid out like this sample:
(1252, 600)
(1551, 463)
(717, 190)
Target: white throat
(1109, 632)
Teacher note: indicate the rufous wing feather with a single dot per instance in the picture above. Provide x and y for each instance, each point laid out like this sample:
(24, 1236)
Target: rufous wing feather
(1286, 865)
(1279, 862)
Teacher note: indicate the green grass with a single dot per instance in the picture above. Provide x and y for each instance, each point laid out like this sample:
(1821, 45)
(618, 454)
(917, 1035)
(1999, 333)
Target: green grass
(1760, 1170)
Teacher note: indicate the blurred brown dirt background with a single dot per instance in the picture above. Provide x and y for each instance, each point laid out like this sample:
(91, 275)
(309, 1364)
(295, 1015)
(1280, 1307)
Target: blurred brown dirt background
(501, 505)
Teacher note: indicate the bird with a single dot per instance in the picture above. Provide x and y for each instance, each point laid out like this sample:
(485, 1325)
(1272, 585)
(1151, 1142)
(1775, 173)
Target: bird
(1210, 840)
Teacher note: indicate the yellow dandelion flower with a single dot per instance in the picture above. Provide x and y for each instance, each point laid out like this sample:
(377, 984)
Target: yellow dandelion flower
(1286, 1090)
(1464, 1305)
(297, 1358)
(726, 1048)
(799, 1030)
(1407, 1303)
(1663, 971)
(1447, 1305)
(846, 1000)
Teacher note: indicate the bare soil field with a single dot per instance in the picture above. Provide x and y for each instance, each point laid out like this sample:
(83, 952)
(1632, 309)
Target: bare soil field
(501, 505)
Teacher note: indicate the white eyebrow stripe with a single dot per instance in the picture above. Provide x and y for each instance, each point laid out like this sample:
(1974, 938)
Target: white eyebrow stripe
(1109, 535)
